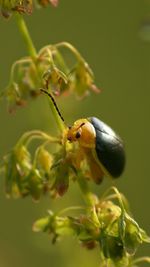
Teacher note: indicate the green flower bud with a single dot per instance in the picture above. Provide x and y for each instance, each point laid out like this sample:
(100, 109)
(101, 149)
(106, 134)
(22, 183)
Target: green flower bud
(35, 183)
(17, 168)
(134, 235)
(82, 79)
(41, 225)
(44, 159)
(56, 79)
(60, 175)
(107, 212)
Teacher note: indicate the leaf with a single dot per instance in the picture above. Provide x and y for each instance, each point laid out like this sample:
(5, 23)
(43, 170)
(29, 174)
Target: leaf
(131, 242)
(134, 235)
(112, 246)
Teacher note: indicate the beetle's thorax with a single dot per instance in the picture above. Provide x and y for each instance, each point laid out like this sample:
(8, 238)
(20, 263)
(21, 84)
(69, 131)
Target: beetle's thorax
(83, 132)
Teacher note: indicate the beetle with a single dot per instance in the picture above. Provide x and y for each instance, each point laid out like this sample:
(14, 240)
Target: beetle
(102, 146)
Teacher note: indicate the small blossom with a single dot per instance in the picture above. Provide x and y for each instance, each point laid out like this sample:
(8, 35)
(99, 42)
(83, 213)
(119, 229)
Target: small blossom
(56, 80)
(82, 80)
(23, 6)
(49, 71)
(54, 2)
(60, 175)
(17, 168)
(44, 3)
(35, 184)
(101, 228)
(44, 159)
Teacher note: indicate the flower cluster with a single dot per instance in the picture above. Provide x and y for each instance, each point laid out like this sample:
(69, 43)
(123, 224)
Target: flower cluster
(26, 174)
(105, 222)
(105, 225)
(49, 70)
(43, 171)
(23, 6)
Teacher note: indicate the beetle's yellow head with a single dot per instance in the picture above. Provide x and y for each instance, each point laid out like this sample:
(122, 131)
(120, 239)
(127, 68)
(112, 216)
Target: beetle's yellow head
(83, 132)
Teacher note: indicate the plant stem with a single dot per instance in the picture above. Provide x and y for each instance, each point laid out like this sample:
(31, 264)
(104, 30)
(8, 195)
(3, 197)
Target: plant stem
(142, 259)
(26, 36)
(32, 52)
(15, 65)
(72, 208)
(89, 197)
(72, 49)
(29, 136)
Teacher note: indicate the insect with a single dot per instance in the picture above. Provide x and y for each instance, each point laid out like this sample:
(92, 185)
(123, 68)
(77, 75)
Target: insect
(103, 148)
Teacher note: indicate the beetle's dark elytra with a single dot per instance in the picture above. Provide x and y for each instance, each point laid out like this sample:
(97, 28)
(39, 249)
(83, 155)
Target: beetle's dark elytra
(109, 148)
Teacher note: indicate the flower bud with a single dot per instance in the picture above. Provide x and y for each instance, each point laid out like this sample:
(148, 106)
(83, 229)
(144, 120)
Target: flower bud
(44, 159)
(17, 168)
(41, 225)
(22, 6)
(82, 79)
(35, 184)
(60, 175)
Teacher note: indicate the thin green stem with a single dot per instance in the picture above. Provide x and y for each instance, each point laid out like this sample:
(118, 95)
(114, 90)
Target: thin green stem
(61, 61)
(32, 51)
(72, 49)
(142, 259)
(27, 137)
(89, 197)
(15, 65)
(117, 194)
(73, 208)
(26, 36)
(52, 50)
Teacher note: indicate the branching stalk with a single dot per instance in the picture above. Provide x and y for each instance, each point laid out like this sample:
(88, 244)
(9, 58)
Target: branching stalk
(29, 136)
(71, 48)
(89, 198)
(26, 36)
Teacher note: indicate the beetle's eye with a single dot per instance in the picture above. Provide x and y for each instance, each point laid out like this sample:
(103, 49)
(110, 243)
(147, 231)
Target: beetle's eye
(78, 135)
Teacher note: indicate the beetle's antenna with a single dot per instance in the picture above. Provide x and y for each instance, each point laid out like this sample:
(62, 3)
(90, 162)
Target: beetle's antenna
(54, 102)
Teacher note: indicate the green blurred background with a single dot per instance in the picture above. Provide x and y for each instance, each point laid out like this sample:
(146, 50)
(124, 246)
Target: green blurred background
(107, 33)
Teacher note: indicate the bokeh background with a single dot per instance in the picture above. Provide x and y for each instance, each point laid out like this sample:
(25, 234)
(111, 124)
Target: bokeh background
(111, 37)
